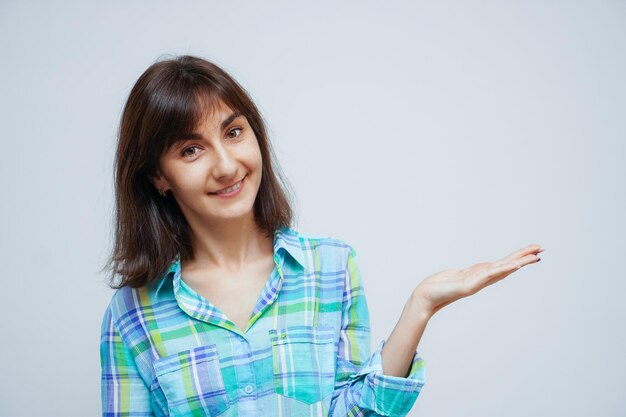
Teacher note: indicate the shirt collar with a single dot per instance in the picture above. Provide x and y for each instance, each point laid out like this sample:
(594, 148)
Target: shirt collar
(284, 238)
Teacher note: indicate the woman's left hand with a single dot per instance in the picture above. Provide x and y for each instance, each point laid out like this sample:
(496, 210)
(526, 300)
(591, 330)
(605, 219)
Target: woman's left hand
(449, 285)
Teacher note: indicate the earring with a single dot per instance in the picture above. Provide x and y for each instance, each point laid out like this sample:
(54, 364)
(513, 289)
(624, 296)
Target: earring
(163, 192)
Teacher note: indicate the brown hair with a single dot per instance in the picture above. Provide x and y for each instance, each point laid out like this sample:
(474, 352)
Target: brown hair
(168, 100)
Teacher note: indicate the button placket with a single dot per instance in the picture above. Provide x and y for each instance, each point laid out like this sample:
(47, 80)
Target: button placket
(245, 374)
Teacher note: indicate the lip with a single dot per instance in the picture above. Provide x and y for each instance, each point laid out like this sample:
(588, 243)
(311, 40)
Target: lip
(233, 193)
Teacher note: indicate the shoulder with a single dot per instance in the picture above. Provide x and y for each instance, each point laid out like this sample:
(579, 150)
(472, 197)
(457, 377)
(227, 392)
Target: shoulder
(324, 242)
(327, 247)
(125, 302)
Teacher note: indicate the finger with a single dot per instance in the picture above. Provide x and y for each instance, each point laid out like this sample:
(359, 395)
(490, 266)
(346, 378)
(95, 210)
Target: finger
(497, 272)
(530, 249)
(519, 263)
(494, 273)
(526, 260)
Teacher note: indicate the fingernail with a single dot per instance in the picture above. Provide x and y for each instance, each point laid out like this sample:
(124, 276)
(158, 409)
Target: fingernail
(540, 250)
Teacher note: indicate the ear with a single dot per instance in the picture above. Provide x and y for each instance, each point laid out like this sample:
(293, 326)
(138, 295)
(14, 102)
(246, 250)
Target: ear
(159, 181)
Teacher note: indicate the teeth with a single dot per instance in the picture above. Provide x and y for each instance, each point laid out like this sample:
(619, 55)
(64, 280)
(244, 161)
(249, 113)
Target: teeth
(228, 190)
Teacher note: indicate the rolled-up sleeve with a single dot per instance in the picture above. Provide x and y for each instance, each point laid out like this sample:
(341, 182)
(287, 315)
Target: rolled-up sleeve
(361, 388)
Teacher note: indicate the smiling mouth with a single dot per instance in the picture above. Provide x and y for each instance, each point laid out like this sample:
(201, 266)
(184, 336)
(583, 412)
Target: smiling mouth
(230, 189)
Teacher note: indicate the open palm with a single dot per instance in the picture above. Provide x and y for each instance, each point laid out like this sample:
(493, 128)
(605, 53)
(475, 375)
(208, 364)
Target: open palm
(444, 287)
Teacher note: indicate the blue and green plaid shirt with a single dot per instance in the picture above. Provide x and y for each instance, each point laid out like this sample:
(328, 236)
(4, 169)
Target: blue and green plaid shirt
(166, 350)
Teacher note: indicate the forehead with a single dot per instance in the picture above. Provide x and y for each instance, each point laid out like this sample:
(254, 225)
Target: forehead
(208, 112)
(212, 113)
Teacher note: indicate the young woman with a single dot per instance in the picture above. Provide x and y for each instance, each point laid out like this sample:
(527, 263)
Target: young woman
(222, 308)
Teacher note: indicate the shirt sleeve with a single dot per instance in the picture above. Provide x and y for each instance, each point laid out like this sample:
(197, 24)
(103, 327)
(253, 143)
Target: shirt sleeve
(361, 388)
(123, 391)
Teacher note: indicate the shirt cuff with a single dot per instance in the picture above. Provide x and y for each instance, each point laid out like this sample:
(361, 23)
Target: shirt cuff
(390, 395)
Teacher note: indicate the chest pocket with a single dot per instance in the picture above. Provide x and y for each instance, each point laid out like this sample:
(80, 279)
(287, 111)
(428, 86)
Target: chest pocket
(304, 362)
(192, 382)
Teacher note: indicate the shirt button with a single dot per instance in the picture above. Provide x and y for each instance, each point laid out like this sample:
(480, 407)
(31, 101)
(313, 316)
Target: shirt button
(248, 389)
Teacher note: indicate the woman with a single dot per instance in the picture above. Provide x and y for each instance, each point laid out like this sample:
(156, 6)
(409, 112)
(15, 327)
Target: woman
(223, 308)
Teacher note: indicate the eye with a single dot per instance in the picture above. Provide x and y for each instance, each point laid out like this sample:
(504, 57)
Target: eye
(185, 152)
(233, 130)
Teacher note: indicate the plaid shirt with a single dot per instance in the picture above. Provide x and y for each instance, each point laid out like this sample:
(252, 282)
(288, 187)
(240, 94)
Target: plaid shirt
(166, 350)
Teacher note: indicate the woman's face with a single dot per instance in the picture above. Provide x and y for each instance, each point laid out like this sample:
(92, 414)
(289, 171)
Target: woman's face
(222, 152)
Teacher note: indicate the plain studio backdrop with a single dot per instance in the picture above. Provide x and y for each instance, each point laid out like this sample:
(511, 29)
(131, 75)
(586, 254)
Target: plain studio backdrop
(428, 135)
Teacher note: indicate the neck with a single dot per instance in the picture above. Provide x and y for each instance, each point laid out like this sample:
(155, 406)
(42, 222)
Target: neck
(231, 245)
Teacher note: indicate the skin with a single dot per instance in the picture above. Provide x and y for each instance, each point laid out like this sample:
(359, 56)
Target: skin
(229, 249)
(439, 290)
(227, 244)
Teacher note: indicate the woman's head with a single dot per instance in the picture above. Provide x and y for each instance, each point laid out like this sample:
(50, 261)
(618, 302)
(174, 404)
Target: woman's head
(220, 154)
(191, 129)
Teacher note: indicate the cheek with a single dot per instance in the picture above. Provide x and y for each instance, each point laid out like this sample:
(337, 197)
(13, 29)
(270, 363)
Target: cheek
(190, 179)
(254, 156)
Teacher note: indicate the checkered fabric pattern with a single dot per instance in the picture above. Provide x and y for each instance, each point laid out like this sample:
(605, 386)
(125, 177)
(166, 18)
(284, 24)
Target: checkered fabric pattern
(167, 351)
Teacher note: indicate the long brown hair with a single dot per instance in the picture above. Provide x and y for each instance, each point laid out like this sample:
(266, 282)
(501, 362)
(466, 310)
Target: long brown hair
(168, 100)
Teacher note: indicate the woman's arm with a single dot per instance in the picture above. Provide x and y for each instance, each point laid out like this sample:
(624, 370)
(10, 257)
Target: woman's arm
(360, 386)
(398, 351)
(123, 392)
(436, 292)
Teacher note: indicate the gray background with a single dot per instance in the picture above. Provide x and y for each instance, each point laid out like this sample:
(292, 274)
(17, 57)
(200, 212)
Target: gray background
(429, 135)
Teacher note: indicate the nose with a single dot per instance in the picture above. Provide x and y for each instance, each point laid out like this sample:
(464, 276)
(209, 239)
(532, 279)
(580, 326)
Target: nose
(225, 165)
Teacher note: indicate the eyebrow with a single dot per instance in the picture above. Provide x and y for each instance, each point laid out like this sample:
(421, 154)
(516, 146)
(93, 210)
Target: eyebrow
(223, 125)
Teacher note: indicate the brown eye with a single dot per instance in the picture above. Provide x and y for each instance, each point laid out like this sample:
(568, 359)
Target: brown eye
(233, 130)
(185, 152)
